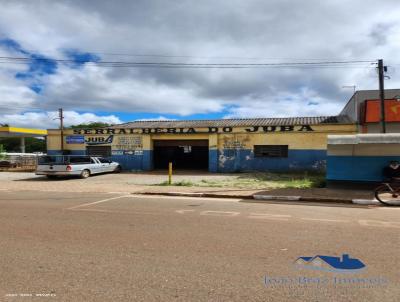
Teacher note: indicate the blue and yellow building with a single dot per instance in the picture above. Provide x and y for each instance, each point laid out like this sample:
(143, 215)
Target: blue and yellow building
(226, 145)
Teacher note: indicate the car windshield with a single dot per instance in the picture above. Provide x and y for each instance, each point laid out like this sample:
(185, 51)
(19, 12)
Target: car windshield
(104, 160)
(50, 160)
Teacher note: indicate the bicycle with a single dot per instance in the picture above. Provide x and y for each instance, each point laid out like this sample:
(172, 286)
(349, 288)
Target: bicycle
(388, 193)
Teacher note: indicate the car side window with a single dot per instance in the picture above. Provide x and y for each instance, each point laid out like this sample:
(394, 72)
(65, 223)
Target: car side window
(104, 160)
(92, 161)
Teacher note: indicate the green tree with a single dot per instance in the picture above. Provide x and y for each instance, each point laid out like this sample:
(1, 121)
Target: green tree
(32, 144)
(2, 152)
(90, 125)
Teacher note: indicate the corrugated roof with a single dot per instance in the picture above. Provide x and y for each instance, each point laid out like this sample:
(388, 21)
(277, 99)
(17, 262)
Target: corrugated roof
(317, 120)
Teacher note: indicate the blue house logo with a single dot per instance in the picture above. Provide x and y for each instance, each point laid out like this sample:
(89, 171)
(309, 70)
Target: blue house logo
(343, 264)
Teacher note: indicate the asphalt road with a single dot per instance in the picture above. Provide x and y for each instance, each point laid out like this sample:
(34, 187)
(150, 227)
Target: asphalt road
(113, 247)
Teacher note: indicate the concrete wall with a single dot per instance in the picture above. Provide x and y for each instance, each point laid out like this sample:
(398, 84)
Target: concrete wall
(361, 157)
(228, 152)
(377, 128)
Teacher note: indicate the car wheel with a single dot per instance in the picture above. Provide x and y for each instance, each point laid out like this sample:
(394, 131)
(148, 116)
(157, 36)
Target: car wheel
(85, 174)
(118, 169)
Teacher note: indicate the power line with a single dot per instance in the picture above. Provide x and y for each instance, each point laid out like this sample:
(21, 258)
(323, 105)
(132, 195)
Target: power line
(24, 108)
(185, 56)
(320, 64)
(218, 67)
(23, 59)
(209, 58)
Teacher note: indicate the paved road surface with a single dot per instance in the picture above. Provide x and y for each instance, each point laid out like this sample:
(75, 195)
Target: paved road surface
(115, 247)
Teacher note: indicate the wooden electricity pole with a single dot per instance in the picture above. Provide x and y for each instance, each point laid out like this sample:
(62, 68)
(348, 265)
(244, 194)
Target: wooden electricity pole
(381, 72)
(61, 117)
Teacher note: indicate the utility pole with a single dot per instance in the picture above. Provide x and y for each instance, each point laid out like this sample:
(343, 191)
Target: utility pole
(381, 72)
(61, 117)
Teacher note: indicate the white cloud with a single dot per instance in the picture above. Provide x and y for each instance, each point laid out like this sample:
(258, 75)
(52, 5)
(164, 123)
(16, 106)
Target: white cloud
(306, 103)
(160, 118)
(92, 88)
(14, 94)
(48, 120)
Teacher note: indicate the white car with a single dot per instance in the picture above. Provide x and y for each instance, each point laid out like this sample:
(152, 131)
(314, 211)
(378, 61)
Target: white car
(69, 165)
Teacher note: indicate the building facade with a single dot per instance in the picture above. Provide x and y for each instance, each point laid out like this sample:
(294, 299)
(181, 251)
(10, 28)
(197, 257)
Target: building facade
(229, 145)
(361, 157)
(364, 110)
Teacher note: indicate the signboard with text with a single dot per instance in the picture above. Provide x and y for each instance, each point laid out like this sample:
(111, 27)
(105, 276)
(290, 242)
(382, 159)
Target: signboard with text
(373, 111)
(75, 139)
(190, 130)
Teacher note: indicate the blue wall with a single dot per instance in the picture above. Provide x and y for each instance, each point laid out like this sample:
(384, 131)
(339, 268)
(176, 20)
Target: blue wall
(239, 160)
(229, 160)
(357, 168)
(133, 162)
(213, 160)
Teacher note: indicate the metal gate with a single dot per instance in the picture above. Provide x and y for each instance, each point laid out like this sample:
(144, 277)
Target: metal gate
(184, 154)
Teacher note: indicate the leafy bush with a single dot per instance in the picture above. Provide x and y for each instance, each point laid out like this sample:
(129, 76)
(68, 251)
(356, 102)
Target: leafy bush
(2, 152)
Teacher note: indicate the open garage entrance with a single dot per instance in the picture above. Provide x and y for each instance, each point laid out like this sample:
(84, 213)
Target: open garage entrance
(184, 154)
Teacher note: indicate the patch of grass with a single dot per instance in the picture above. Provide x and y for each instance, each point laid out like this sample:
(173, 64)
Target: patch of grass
(269, 180)
(260, 180)
(182, 183)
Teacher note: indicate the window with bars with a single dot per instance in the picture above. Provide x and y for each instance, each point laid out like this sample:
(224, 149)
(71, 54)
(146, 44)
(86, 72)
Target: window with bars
(271, 150)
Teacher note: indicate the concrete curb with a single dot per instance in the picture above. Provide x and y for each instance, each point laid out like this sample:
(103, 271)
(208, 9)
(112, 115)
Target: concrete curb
(300, 198)
(274, 197)
(366, 201)
(264, 198)
(213, 195)
(324, 199)
(188, 194)
(196, 194)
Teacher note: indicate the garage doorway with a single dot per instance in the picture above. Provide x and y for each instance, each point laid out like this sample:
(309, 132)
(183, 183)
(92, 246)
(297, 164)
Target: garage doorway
(99, 151)
(184, 154)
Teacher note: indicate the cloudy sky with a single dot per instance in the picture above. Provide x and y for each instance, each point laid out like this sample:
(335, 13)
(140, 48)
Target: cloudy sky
(215, 31)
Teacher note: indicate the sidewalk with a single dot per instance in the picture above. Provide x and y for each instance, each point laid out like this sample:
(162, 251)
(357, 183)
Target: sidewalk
(316, 194)
(147, 183)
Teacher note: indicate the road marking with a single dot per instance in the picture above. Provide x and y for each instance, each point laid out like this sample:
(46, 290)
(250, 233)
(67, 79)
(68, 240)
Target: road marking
(117, 212)
(379, 223)
(269, 216)
(183, 211)
(324, 220)
(96, 202)
(219, 213)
